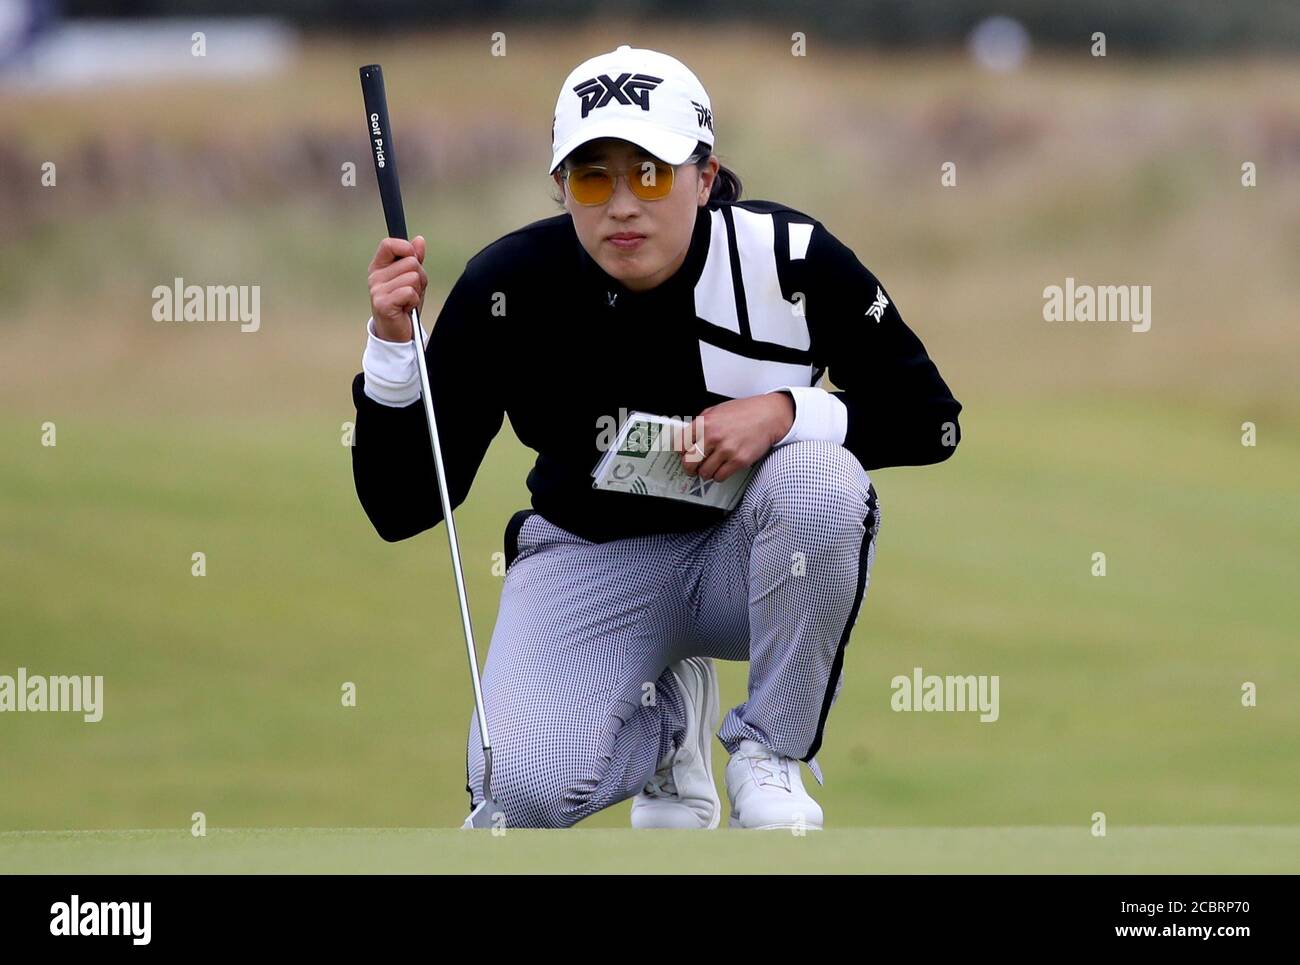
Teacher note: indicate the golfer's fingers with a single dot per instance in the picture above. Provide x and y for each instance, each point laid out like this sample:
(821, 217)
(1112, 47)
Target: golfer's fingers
(399, 267)
(677, 437)
(390, 250)
(394, 300)
(416, 279)
(684, 440)
(693, 433)
(728, 468)
(713, 462)
(418, 243)
(403, 300)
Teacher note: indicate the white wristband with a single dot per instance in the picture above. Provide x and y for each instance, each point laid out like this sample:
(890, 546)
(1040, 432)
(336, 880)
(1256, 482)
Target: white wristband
(818, 415)
(391, 375)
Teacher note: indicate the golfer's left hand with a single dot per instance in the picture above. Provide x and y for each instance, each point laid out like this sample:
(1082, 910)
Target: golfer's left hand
(735, 434)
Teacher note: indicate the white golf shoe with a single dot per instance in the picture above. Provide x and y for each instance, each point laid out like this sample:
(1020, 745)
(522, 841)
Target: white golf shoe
(681, 794)
(766, 791)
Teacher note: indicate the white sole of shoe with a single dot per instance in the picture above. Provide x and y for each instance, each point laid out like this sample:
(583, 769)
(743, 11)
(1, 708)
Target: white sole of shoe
(735, 823)
(710, 709)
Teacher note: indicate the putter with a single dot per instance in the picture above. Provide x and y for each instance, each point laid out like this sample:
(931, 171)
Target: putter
(488, 814)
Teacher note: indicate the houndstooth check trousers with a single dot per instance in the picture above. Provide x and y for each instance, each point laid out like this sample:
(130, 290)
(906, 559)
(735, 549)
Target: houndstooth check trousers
(580, 705)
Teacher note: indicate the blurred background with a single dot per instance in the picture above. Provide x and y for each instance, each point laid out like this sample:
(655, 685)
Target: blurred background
(211, 142)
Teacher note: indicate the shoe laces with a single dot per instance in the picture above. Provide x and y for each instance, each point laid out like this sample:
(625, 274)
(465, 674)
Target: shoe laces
(770, 769)
(661, 785)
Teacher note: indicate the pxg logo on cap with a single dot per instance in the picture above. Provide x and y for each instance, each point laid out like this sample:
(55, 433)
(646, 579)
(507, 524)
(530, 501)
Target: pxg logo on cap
(637, 95)
(628, 89)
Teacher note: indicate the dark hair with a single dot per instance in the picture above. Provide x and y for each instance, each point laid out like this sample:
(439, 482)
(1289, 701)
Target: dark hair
(726, 184)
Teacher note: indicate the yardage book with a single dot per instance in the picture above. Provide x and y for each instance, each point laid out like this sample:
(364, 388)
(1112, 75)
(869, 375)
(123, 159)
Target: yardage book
(642, 461)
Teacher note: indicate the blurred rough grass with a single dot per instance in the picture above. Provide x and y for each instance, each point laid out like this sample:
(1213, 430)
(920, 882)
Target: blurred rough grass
(1111, 172)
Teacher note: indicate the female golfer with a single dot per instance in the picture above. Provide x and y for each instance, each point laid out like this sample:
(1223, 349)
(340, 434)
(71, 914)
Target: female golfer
(657, 290)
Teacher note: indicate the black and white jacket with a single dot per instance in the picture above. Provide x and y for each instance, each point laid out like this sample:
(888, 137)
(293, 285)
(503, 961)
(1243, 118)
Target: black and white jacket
(535, 329)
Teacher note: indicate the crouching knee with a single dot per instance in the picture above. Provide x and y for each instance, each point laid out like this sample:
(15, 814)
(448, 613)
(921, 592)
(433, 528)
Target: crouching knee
(819, 487)
(549, 795)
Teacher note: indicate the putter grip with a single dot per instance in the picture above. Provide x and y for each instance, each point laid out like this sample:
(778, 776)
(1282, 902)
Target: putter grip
(381, 148)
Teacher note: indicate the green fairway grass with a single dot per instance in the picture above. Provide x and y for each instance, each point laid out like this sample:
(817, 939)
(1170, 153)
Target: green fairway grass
(859, 850)
(1118, 694)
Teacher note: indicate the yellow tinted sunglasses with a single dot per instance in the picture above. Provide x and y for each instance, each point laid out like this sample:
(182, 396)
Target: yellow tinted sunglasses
(649, 180)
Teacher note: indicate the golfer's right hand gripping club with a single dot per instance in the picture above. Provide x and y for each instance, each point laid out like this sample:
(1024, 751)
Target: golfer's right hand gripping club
(488, 814)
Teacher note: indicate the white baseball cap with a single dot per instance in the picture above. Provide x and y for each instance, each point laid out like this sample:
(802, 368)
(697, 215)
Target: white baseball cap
(639, 95)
